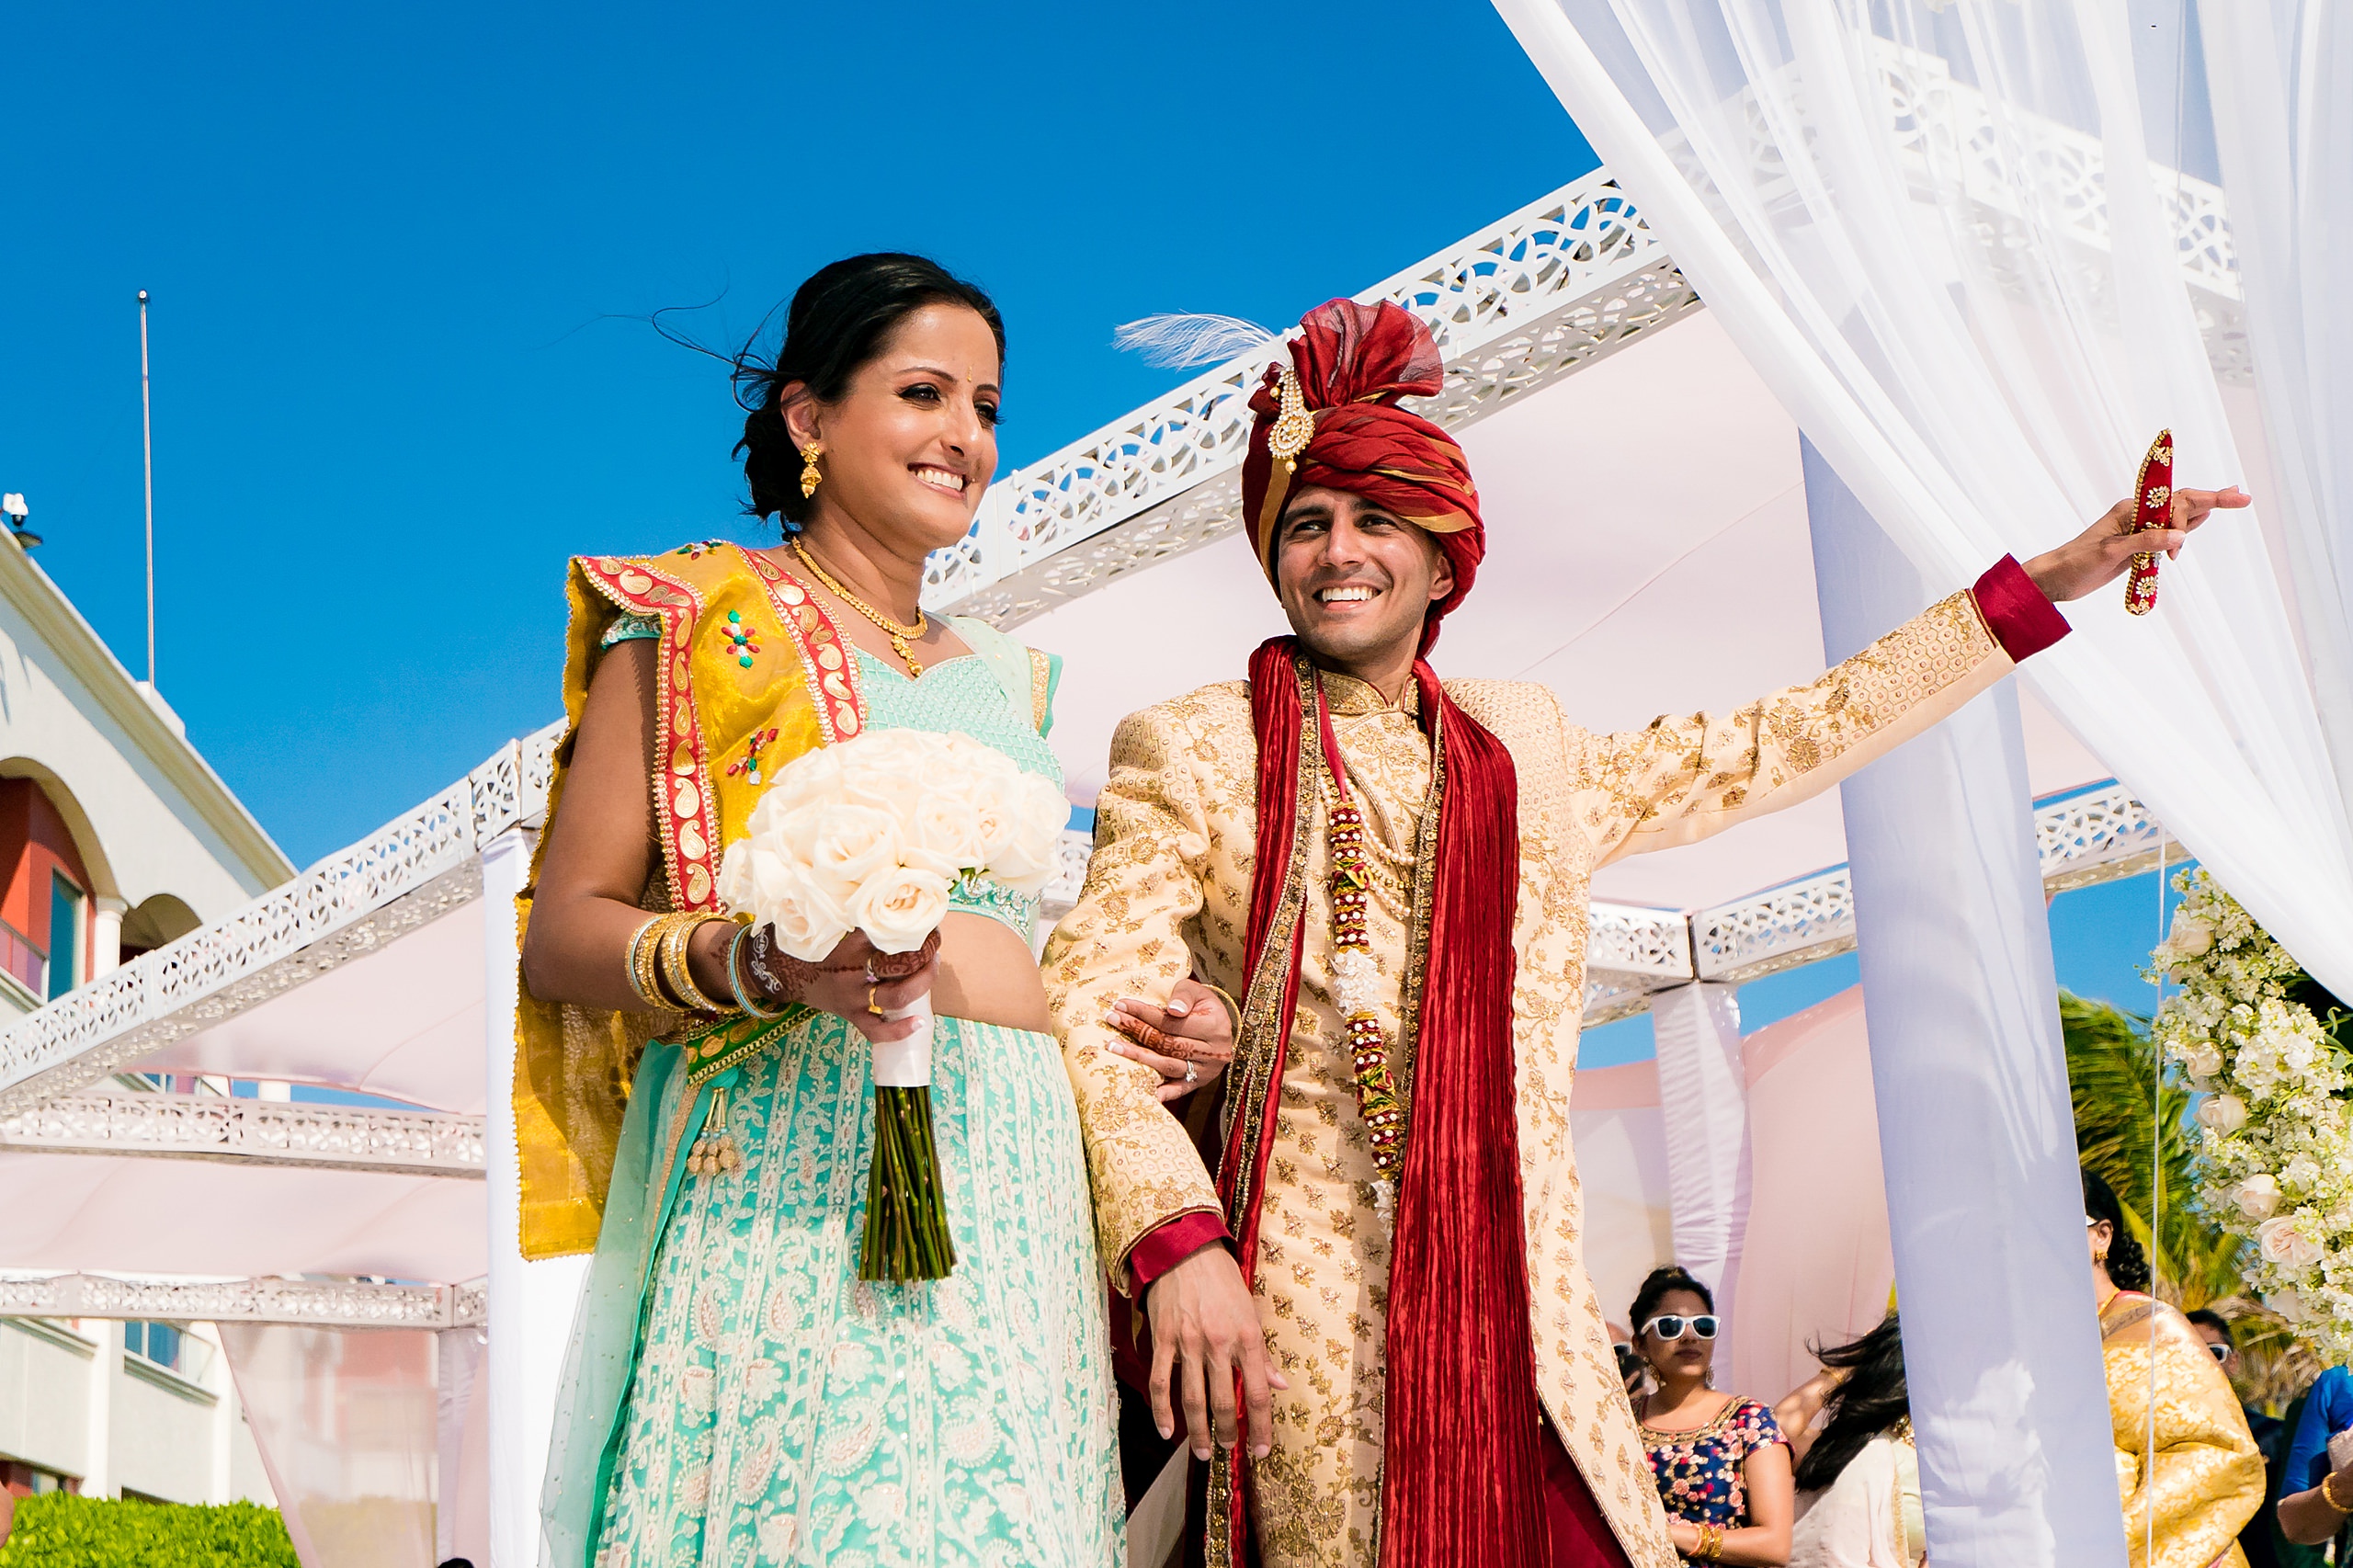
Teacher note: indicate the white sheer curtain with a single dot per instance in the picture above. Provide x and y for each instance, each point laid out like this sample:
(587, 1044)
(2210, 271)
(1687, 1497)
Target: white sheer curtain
(2277, 72)
(1937, 230)
(345, 1421)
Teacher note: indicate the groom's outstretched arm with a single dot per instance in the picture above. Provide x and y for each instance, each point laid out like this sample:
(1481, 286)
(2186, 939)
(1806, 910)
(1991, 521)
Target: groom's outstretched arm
(1126, 938)
(1683, 778)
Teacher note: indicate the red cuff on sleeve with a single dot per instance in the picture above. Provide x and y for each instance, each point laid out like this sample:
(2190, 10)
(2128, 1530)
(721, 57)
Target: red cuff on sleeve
(1169, 1243)
(2020, 619)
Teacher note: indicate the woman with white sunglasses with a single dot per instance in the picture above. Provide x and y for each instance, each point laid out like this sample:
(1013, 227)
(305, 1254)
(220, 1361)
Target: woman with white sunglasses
(1721, 1464)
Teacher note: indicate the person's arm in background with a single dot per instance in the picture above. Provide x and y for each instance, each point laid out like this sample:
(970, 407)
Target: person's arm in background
(2306, 1516)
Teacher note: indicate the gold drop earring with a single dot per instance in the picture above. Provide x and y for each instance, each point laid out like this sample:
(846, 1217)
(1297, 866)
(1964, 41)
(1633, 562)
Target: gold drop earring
(809, 477)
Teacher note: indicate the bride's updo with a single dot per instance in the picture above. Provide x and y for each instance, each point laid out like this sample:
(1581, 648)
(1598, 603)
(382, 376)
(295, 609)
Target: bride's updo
(839, 321)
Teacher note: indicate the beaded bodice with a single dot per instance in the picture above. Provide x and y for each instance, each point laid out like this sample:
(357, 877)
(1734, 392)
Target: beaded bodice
(962, 696)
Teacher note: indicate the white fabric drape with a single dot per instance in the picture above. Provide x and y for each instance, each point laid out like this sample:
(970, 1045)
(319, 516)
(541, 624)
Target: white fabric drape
(1912, 220)
(345, 1422)
(2001, 1351)
(2276, 72)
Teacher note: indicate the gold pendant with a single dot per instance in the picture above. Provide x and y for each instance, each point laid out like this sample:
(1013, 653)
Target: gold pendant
(899, 646)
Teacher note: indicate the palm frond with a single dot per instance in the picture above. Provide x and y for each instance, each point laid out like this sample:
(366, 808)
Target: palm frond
(2121, 1133)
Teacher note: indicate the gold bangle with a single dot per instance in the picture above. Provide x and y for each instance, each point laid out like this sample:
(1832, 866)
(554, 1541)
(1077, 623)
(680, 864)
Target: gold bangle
(634, 959)
(644, 962)
(672, 946)
(2330, 1497)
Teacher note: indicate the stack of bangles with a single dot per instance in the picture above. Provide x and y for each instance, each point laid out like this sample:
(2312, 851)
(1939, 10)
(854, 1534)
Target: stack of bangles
(2328, 1496)
(660, 975)
(1711, 1544)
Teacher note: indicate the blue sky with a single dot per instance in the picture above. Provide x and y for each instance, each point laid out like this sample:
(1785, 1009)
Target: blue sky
(393, 250)
(396, 251)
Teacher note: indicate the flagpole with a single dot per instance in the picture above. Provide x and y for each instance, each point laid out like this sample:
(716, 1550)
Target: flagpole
(147, 440)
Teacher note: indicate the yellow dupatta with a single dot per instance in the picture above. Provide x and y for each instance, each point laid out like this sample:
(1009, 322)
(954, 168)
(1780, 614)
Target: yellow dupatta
(750, 675)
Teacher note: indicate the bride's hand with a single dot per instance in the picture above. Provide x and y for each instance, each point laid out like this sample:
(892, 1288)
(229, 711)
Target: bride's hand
(854, 981)
(1187, 1042)
(2098, 555)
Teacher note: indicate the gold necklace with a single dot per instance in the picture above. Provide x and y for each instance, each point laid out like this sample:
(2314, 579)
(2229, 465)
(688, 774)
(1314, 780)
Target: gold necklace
(897, 633)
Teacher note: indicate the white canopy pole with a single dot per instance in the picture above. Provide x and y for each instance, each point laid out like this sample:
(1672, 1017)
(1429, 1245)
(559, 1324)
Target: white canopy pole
(1977, 1138)
(531, 1304)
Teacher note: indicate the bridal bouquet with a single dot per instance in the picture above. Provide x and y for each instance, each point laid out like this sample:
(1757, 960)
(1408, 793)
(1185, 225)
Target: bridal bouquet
(870, 836)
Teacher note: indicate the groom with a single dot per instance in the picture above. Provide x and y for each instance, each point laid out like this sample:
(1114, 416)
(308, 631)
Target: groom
(1376, 1233)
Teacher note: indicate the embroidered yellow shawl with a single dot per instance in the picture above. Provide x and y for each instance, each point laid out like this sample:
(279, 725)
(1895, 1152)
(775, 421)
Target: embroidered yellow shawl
(751, 675)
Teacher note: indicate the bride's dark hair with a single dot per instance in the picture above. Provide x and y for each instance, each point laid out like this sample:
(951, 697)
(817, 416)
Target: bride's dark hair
(1871, 1400)
(837, 321)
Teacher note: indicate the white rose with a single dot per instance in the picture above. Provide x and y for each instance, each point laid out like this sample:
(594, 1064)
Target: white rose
(2204, 1059)
(809, 918)
(886, 777)
(898, 907)
(850, 843)
(2287, 1303)
(950, 769)
(2288, 1240)
(1032, 857)
(944, 837)
(2191, 937)
(2257, 1195)
(810, 779)
(2222, 1113)
(996, 806)
(2302, 1172)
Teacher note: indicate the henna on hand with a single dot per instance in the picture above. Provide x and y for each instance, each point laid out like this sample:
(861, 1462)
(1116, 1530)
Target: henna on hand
(898, 966)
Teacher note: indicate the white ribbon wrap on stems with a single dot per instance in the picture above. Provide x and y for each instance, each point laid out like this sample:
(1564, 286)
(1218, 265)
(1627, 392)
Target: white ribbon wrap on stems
(906, 1064)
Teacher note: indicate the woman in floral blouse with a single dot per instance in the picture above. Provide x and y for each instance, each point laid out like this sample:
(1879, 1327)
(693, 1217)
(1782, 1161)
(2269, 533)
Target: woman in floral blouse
(1721, 1464)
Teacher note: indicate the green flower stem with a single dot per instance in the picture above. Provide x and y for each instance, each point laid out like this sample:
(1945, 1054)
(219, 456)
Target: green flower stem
(907, 1218)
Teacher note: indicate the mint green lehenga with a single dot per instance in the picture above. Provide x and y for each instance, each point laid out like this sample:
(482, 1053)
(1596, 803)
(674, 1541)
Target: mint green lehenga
(738, 1396)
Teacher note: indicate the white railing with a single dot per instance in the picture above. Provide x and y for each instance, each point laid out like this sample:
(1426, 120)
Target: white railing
(1552, 287)
(214, 1127)
(318, 1303)
(283, 938)
(2097, 836)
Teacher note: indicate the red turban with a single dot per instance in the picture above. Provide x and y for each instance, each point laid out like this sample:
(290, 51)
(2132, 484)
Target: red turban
(1349, 364)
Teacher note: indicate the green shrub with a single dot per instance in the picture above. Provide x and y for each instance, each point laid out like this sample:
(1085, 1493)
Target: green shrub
(61, 1531)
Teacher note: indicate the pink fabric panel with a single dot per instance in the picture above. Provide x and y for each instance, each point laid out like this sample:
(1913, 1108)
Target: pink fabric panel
(1817, 1263)
(345, 1422)
(1621, 1138)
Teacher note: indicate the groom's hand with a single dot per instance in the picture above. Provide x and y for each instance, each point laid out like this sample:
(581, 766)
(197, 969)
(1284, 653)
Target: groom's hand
(1188, 1040)
(2098, 555)
(1205, 1331)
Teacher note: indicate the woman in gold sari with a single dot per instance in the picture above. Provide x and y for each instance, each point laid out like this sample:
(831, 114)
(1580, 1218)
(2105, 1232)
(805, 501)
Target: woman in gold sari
(736, 1392)
(2189, 1472)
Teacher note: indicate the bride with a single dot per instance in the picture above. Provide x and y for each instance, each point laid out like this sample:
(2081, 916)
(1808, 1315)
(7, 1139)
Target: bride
(735, 1393)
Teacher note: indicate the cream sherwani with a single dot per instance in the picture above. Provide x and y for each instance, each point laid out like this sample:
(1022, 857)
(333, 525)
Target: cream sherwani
(1168, 893)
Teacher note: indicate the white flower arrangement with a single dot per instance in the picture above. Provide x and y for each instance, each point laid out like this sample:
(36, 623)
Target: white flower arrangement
(2277, 1132)
(871, 835)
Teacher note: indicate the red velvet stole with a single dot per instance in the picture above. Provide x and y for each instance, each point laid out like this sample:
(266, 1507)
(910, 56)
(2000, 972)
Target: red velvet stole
(1462, 1474)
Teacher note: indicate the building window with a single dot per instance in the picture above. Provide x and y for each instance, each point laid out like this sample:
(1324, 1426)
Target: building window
(64, 935)
(158, 1342)
(21, 959)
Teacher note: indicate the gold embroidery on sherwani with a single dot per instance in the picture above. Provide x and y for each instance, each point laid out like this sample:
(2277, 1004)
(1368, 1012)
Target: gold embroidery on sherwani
(2208, 1478)
(1322, 1276)
(1169, 888)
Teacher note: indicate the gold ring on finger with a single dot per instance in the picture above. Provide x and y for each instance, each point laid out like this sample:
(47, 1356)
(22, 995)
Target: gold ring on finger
(869, 1002)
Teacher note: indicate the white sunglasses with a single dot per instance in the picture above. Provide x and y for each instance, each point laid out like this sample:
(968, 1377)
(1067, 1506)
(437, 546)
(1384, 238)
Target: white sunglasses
(1670, 1325)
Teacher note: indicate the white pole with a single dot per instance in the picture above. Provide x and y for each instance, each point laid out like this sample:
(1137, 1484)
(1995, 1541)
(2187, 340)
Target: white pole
(2001, 1348)
(147, 441)
(531, 1304)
